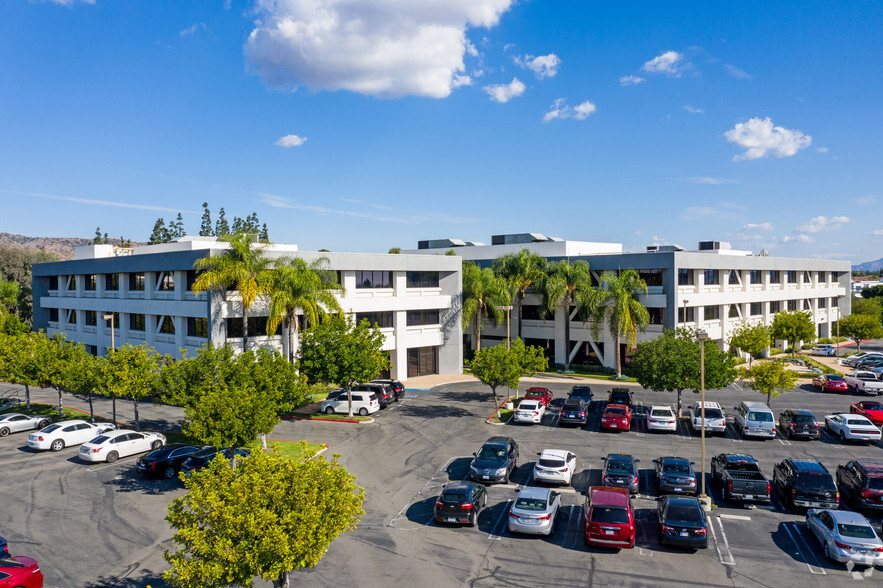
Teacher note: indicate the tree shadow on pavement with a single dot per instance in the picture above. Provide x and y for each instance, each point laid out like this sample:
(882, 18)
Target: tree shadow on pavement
(433, 411)
(467, 396)
(131, 481)
(147, 578)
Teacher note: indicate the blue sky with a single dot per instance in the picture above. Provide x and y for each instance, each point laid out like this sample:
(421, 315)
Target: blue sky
(361, 125)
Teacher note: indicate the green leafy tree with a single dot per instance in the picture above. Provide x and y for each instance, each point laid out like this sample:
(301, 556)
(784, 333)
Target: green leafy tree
(339, 352)
(616, 303)
(79, 375)
(497, 366)
(770, 377)
(131, 372)
(860, 327)
(530, 358)
(51, 356)
(12, 325)
(15, 266)
(176, 229)
(750, 339)
(567, 284)
(97, 240)
(793, 326)
(244, 266)
(8, 296)
(394, 250)
(20, 360)
(296, 286)
(522, 271)
(265, 235)
(483, 292)
(222, 227)
(205, 227)
(869, 306)
(873, 292)
(268, 517)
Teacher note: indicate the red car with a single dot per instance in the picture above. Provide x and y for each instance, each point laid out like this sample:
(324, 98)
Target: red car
(21, 572)
(871, 409)
(617, 417)
(609, 517)
(543, 395)
(829, 383)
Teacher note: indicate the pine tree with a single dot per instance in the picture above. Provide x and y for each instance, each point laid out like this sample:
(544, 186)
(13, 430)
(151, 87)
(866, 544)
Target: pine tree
(265, 236)
(177, 228)
(106, 240)
(238, 225)
(97, 239)
(205, 229)
(157, 235)
(221, 227)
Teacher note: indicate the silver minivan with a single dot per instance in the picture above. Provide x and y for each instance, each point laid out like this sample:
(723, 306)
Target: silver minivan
(755, 419)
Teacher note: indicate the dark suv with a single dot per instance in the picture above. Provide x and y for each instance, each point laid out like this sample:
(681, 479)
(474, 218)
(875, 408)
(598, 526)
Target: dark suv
(862, 481)
(620, 396)
(384, 393)
(398, 389)
(573, 412)
(460, 502)
(581, 392)
(495, 461)
(799, 423)
(806, 483)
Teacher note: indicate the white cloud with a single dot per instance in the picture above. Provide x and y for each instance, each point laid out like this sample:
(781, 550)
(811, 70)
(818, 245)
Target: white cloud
(667, 63)
(400, 217)
(384, 48)
(832, 255)
(560, 110)
(97, 202)
(822, 149)
(822, 224)
(197, 26)
(759, 138)
(693, 109)
(459, 81)
(290, 141)
(543, 66)
(709, 181)
(878, 233)
(631, 80)
(737, 73)
(798, 239)
(865, 200)
(503, 93)
(752, 232)
(758, 227)
(71, 2)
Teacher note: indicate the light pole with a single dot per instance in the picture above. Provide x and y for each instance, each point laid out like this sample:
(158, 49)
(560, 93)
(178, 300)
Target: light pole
(109, 317)
(507, 309)
(702, 336)
(685, 313)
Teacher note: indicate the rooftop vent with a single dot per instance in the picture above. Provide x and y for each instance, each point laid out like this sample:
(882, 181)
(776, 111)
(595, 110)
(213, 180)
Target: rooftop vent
(518, 238)
(440, 244)
(712, 245)
(662, 248)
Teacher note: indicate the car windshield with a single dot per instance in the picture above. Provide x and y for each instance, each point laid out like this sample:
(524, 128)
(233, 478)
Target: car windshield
(616, 411)
(572, 406)
(607, 514)
(535, 394)
(620, 467)
(802, 418)
(99, 439)
(535, 504)
(527, 406)
(51, 428)
(711, 413)
(661, 412)
(815, 481)
(872, 406)
(492, 453)
(552, 463)
(452, 498)
(676, 468)
(857, 531)
(835, 379)
(746, 466)
(762, 417)
(683, 512)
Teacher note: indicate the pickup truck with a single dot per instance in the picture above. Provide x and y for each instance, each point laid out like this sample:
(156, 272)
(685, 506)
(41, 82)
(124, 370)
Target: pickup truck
(865, 382)
(740, 477)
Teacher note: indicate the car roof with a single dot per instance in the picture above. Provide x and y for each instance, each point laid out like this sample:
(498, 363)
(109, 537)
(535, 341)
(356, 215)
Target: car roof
(609, 496)
(619, 457)
(534, 492)
(616, 406)
(573, 400)
(807, 465)
(682, 500)
(498, 439)
(562, 453)
(581, 387)
(11, 414)
(739, 456)
(755, 404)
(658, 406)
(708, 404)
(674, 459)
(873, 468)
(458, 487)
(802, 411)
(848, 517)
(535, 389)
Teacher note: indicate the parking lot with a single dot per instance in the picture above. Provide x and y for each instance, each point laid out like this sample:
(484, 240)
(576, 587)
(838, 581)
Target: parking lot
(101, 525)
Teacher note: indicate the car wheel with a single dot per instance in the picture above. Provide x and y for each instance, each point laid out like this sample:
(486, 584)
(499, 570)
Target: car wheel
(112, 456)
(506, 477)
(43, 423)
(169, 472)
(156, 444)
(473, 520)
(828, 553)
(484, 501)
(57, 445)
(842, 437)
(363, 412)
(4, 431)
(329, 410)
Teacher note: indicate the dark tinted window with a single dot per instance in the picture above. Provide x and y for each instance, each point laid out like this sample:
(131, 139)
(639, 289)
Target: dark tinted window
(683, 512)
(802, 418)
(373, 279)
(835, 379)
(572, 406)
(453, 498)
(818, 481)
(858, 531)
(675, 468)
(620, 467)
(423, 279)
(492, 453)
(616, 411)
(537, 504)
(711, 413)
(605, 514)
(552, 463)
(875, 483)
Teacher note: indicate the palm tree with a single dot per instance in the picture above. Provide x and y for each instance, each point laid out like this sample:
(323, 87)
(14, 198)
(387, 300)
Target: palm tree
(567, 284)
(483, 292)
(617, 303)
(521, 271)
(294, 285)
(243, 267)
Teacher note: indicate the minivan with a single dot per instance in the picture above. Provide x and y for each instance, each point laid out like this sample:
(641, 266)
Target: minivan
(609, 517)
(755, 419)
(364, 403)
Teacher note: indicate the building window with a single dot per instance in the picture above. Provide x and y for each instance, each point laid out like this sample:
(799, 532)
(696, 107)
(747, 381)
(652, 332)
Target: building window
(166, 281)
(136, 281)
(69, 283)
(685, 277)
(90, 282)
(115, 321)
(806, 278)
(530, 312)
(820, 276)
(417, 318)
(822, 303)
(775, 277)
(733, 312)
(422, 361)
(655, 316)
(833, 279)
(191, 278)
(712, 313)
(835, 303)
(112, 282)
(53, 282)
(257, 325)
(234, 327)
(383, 320)
(734, 277)
(756, 308)
(775, 306)
(807, 305)
(651, 277)
(792, 305)
(137, 322)
(71, 317)
(373, 279)
(690, 315)
(422, 279)
(90, 317)
(756, 277)
(711, 277)
(53, 315)
(197, 327)
(167, 325)
(791, 276)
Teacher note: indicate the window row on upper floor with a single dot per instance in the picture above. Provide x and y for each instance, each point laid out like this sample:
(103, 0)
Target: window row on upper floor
(687, 277)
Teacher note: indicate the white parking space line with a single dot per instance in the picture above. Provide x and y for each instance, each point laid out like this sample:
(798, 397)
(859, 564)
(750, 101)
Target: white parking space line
(734, 517)
(495, 535)
(431, 487)
(738, 387)
(814, 569)
(725, 557)
(105, 466)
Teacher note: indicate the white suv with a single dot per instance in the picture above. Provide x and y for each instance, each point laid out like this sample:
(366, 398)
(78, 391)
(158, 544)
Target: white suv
(824, 350)
(364, 403)
(715, 419)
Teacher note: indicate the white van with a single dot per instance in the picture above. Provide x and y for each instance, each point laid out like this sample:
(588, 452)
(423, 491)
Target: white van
(364, 403)
(755, 419)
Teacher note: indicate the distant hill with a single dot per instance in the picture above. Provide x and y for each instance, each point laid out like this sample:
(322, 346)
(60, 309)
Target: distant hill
(61, 246)
(869, 266)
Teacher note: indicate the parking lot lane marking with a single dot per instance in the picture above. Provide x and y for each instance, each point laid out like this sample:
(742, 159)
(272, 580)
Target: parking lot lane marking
(104, 467)
(431, 481)
(642, 551)
(738, 387)
(734, 517)
(812, 569)
(730, 560)
(495, 536)
(568, 527)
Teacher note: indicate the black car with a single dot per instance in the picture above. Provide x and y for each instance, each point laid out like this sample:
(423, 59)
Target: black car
(581, 392)
(166, 461)
(495, 461)
(620, 470)
(862, 481)
(384, 393)
(460, 502)
(398, 389)
(202, 458)
(574, 411)
(620, 396)
(675, 475)
(806, 483)
(799, 423)
(682, 522)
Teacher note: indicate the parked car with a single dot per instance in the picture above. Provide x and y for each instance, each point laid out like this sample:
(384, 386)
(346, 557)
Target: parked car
(862, 482)
(534, 511)
(661, 418)
(799, 423)
(616, 417)
(543, 395)
(869, 364)
(754, 419)
(166, 461)
(67, 434)
(857, 357)
(852, 427)
(846, 536)
(398, 389)
(554, 466)
(741, 477)
(364, 403)
(806, 483)
(581, 392)
(14, 422)
(574, 411)
(384, 393)
(460, 502)
(113, 445)
(21, 572)
(829, 383)
(620, 396)
(4, 548)
(609, 519)
(675, 475)
(495, 461)
(870, 409)
(864, 382)
(620, 470)
(824, 350)
(201, 459)
(715, 419)
(682, 522)
(529, 411)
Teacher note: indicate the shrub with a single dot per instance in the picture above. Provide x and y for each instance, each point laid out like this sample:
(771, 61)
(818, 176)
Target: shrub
(775, 351)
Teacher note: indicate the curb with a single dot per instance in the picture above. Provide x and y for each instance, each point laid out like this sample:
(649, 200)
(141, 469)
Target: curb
(290, 418)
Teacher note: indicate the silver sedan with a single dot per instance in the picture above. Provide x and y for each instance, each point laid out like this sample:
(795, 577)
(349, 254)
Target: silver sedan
(15, 422)
(534, 511)
(846, 536)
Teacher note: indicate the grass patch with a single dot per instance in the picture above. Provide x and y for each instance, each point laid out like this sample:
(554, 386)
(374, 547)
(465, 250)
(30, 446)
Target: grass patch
(290, 449)
(594, 375)
(322, 416)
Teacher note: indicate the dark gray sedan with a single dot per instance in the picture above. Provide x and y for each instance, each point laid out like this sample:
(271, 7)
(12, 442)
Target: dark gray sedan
(675, 475)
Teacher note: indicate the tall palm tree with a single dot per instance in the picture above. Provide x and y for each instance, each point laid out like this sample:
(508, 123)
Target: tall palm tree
(295, 285)
(483, 292)
(243, 267)
(567, 284)
(617, 303)
(521, 271)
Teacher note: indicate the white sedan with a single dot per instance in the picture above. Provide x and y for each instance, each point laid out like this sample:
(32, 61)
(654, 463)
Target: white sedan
(555, 466)
(14, 422)
(113, 445)
(67, 433)
(852, 427)
(530, 411)
(661, 418)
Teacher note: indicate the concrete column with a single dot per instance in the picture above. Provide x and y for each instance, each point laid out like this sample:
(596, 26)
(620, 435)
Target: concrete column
(398, 369)
(180, 326)
(149, 285)
(560, 342)
(150, 325)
